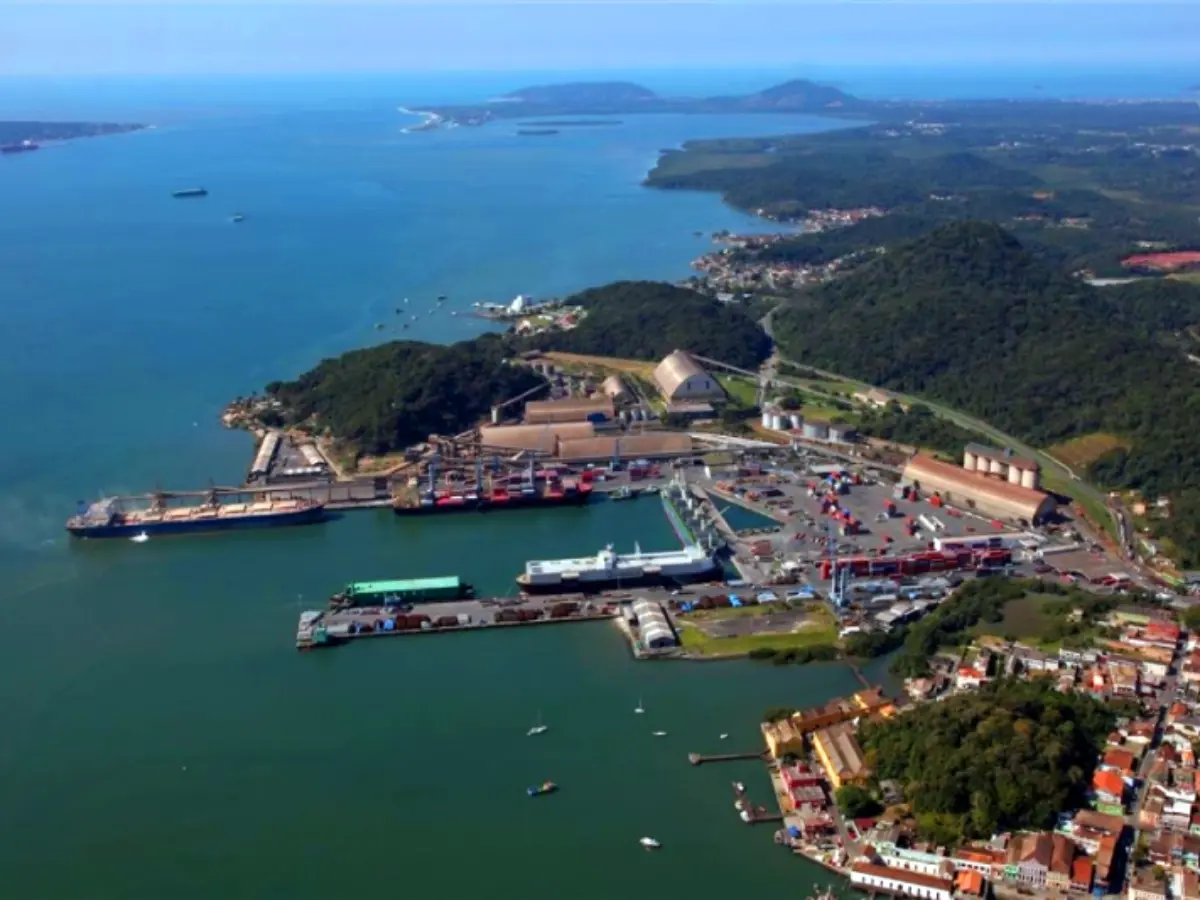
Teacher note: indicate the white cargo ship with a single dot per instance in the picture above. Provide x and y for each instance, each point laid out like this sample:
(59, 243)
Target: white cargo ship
(611, 569)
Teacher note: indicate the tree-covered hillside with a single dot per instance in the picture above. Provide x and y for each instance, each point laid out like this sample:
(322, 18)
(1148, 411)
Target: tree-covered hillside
(1012, 755)
(967, 316)
(650, 319)
(387, 397)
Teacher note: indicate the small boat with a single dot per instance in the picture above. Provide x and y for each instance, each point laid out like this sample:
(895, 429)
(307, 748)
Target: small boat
(414, 318)
(405, 299)
(140, 538)
(639, 709)
(724, 736)
(539, 728)
(659, 733)
(739, 787)
(546, 787)
(649, 843)
(405, 325)
(189, 192)
(379, 326)
(237, 217)
(453, 312)
(441, 298)
(624, 492)
(744, 815)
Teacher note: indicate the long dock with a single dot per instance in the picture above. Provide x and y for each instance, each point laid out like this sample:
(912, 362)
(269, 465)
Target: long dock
(332, 627)
(699, 759)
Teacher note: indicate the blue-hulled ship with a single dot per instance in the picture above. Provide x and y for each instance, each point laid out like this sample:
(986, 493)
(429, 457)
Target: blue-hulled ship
(110, 518)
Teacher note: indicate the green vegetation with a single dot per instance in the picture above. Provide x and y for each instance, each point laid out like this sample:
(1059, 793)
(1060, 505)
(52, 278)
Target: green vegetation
(918, 427)
(1065, 616)
(650, 319)
(1190, 618)
(795, 655)
(968, 317)
(742, 391)
(384, 398)
(856, 802)
(1009, 756)
(981, 600)
(815, 640)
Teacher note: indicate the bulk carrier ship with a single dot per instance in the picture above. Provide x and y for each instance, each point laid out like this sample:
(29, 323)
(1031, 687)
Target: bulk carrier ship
(108, 518)
(527, 488)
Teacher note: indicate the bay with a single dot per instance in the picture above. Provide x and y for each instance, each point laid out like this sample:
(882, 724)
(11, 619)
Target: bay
(162, 737)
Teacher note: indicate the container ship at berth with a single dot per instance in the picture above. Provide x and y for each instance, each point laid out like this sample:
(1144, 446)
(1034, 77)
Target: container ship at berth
(488, 493)
(108, 518)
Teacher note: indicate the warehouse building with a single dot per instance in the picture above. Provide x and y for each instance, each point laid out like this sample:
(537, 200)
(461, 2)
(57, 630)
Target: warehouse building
(650, 445)
(839, 752)
(614, 386)
(993, 495)
(680, 377)
(574, 409)
(533, 438)
(655, 630)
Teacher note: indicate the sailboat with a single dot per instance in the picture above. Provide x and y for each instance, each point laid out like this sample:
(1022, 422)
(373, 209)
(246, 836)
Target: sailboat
(539, 728)
(659, 733)
(649, 843)
(140, 538)
(639, 709)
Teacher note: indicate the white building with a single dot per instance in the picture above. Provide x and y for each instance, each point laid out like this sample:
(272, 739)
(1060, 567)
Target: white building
(653, 626)
(869, 876)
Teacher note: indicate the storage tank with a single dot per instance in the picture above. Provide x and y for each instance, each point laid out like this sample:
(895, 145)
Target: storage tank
(495, 415)
(1014, 475)
(996, 467)
(816, 431)
(981, 464)
(766, 419)
(1029, 478)
(797, 421)
(968, 460)
(777, 421)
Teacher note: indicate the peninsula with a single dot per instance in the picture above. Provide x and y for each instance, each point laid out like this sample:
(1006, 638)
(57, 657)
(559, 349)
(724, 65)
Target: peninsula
(14, 133)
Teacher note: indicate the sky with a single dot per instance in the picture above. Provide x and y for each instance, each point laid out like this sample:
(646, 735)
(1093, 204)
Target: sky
(192, 37)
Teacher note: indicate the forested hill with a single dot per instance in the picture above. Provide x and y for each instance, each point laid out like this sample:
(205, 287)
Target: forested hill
(388, 397)
(650, 319)
(966, 315)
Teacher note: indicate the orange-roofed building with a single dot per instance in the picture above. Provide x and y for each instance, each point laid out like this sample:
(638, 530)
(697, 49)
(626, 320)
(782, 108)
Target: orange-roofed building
(970, 883)
(1109, 787)
(1122, 761)
(1081, 875)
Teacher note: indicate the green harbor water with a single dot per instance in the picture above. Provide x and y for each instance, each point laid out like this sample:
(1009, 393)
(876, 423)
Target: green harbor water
(169, 741)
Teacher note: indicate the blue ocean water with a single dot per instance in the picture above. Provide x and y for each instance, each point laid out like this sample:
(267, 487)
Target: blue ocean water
(162, 739)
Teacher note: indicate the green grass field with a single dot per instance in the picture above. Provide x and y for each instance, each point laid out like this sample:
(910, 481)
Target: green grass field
(1025, 618)
(821, 630)
(741, 391)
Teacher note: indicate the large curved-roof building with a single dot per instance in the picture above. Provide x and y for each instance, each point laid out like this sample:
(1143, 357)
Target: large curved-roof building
(992, 495)
(679, 377)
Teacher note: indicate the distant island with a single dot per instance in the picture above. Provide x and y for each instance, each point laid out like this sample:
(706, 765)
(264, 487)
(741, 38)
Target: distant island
(796, 96)
(13, 133)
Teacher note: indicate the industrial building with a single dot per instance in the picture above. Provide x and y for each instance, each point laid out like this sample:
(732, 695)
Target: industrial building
(680, 377)
(992, 494)
(653, 626)
(614, 386)
(1003, 464)
(596, 410)
(533, 438)
(265, 456)
(578, 442)
(838, 750)
(648, 445)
